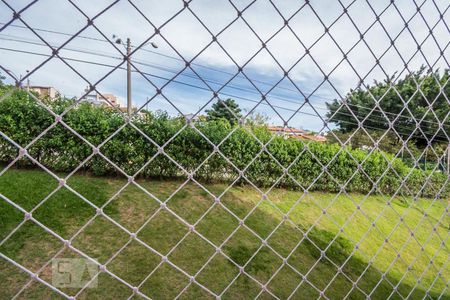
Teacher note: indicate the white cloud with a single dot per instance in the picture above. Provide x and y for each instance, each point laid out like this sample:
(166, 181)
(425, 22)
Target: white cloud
(187, 35)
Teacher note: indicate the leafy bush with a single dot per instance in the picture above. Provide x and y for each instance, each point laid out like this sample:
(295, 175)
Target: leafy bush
(289, 163)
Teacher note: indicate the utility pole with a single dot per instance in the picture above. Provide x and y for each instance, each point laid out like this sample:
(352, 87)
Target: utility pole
(119, 41)
(28, 82)
(129, 102)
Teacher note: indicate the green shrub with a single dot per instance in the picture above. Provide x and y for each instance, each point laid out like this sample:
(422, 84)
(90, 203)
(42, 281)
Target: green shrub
(312, 165)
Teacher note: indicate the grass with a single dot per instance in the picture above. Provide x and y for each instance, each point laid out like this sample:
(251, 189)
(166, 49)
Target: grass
(66, 214)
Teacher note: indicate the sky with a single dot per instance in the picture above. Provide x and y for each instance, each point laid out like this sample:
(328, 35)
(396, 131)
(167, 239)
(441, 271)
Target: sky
(241, 28)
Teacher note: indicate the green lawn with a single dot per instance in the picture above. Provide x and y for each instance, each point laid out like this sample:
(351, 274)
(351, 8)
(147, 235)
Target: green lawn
(65, 213)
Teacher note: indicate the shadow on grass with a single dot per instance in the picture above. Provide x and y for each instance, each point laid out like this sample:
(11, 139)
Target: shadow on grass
(65, 213)
(308, 259)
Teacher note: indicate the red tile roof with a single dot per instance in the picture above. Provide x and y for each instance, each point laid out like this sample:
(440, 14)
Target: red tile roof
(296, 133)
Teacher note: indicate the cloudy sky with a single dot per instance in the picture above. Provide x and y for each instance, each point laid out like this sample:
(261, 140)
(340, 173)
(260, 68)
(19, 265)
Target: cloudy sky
(183, 37)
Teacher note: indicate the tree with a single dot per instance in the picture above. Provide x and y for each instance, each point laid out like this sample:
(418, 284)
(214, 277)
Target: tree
(386, 141)
(256, 119)
(401, 103)
(228, 110)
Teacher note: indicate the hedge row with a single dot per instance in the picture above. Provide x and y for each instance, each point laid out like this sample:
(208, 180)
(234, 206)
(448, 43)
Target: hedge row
(23, 120)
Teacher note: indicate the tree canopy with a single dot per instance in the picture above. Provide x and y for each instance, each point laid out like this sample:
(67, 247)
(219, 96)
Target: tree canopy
(225, 109)
(415, 106)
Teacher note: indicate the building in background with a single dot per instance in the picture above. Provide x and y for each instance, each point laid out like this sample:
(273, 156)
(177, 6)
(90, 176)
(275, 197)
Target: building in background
(91, 97)
(290, 132)
(45, 91)
(97, 99)
(111, 98)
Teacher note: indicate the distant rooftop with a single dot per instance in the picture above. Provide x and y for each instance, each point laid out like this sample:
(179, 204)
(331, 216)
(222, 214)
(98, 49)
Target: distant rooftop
(291, 132)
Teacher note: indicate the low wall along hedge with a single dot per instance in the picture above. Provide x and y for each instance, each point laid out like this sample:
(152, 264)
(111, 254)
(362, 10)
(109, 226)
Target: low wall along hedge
(22, 119)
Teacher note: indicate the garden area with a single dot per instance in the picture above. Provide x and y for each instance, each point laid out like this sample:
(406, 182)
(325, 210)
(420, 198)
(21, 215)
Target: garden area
(199, 208)
(387, 255)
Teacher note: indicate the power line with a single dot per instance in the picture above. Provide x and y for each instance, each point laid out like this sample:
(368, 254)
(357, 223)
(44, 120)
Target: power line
(174, 72)
(162, 55)
(159, 77)
(168, 70)
(155, 66)
(147, 74)
(194, 86)
(382, 118)
(54, 32)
